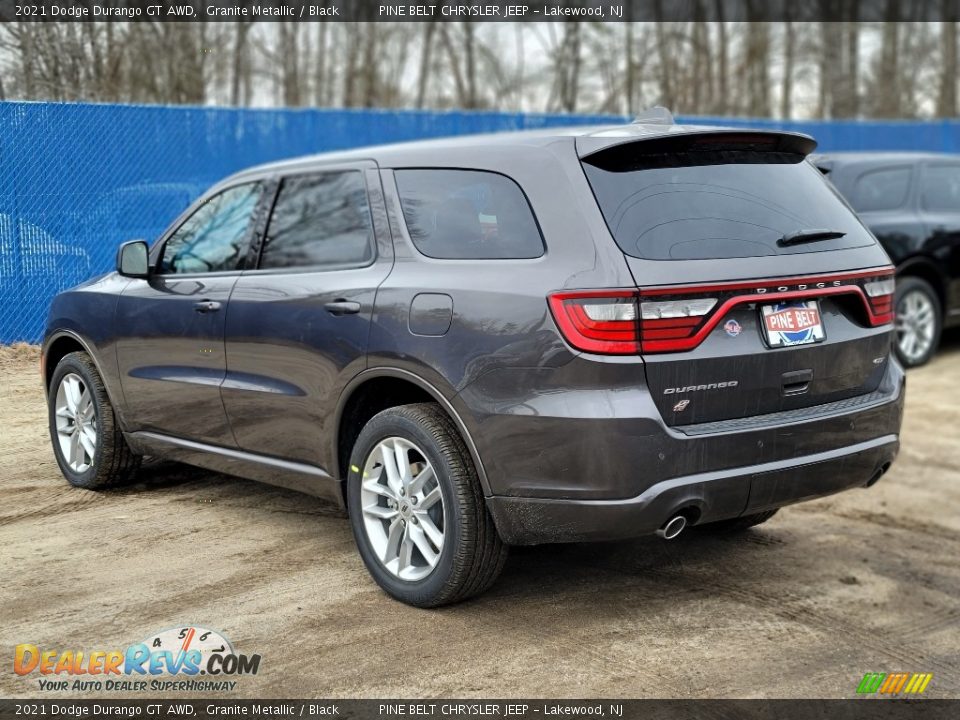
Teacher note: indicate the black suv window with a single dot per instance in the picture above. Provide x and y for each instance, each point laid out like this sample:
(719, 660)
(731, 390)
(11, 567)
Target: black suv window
(468, 214)
(320, 220)
(215, 237)
(716, 203)
(941, 188)
(884, 189)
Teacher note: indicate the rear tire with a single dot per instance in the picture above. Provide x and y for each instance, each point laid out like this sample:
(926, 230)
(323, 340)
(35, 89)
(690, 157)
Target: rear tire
(919, 321)
(739, 524)
(87, 442)
(412, 487)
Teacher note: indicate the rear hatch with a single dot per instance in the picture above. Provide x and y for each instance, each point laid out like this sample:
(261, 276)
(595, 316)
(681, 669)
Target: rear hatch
(759, 290)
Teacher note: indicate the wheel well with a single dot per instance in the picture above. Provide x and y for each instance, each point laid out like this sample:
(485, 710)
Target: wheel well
(372, 397)
(928, 272)
(58, 350)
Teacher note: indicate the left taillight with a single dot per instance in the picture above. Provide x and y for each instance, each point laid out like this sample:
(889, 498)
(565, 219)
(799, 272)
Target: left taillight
(598, 322)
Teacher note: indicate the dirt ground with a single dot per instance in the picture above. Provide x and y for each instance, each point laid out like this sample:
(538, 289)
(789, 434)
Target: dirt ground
(867, 581)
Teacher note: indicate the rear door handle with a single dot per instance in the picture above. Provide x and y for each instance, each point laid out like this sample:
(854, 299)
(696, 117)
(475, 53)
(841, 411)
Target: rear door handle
(342, 307)
(206, 306)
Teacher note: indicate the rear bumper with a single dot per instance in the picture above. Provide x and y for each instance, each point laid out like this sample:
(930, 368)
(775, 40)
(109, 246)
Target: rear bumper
(716, 471)
(713, 495)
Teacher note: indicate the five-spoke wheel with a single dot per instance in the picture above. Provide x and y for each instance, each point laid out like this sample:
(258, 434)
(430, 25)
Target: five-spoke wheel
(417, 508)
(87, 441)
(76, 420)
(402, 504)
(918, 321)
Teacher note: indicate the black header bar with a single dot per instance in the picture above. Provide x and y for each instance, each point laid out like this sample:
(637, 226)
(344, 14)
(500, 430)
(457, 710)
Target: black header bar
(486, 11)
(479, 709)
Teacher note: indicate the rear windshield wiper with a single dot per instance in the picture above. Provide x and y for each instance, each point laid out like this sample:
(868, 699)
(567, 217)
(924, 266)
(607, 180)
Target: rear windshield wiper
(805, 236)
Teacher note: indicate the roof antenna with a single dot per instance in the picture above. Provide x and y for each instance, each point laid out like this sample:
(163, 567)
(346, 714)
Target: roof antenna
(657, 115)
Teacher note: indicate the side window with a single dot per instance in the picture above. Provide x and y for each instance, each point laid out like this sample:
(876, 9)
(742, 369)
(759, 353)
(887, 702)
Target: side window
(320, 220)
(884, 189)
(468, 215)
(215, 237)
(940, 188)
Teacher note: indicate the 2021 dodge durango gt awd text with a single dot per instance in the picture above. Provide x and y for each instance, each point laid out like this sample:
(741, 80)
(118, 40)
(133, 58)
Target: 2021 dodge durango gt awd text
(484, 341)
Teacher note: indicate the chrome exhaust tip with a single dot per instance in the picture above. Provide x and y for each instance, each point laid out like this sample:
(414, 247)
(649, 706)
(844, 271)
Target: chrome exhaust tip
(673, 527)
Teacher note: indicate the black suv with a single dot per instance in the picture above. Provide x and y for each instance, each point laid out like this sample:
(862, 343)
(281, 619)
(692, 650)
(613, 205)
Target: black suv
(516, 339)
(911, 202)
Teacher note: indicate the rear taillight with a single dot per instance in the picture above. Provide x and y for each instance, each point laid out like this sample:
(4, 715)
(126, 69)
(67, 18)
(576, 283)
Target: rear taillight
(880, 297)
(673, 319)
(676, 318)
(598, 322)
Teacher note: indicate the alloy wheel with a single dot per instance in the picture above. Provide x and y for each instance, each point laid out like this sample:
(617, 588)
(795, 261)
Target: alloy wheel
(76, 422)
(916, 325)
(402, 503)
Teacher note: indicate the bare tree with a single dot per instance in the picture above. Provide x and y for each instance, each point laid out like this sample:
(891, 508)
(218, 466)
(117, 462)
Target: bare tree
(947, 100)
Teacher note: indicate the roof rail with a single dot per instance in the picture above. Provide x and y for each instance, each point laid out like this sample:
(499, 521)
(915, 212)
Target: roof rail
(657, 115)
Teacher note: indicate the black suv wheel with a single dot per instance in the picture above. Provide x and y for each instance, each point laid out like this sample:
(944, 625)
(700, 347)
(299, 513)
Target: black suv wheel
(87, 442)
(417, 510)
(919, 321)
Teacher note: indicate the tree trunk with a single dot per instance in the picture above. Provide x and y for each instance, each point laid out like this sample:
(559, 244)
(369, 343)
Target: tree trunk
(947, 99)
(723, 63)
(888, 79)
(428, 31)
(789, 51)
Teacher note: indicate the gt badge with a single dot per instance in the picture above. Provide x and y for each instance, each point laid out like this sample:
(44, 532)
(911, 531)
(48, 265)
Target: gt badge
(681, 406)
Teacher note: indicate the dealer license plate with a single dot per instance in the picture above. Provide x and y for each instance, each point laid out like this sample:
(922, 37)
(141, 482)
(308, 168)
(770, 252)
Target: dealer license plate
(792, 323)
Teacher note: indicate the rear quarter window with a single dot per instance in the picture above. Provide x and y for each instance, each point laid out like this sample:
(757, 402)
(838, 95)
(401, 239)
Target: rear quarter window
(941, 188)
(468, 215)
(884, 189)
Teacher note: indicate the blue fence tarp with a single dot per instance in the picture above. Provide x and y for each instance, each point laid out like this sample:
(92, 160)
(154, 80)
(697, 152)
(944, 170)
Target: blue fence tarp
(76, 180)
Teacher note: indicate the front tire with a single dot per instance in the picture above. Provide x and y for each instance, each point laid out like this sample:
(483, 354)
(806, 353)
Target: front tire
(87, 442)
(919, 321)
(417, 510)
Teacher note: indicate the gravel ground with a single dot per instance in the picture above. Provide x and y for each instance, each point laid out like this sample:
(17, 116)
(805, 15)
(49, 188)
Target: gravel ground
(802, 607)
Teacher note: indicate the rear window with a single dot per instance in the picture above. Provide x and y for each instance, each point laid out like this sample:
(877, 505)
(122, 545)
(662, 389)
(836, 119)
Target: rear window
(468, 215)
(716, 203)
(884, 189)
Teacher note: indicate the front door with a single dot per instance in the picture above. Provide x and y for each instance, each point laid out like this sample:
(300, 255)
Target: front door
(171, 325)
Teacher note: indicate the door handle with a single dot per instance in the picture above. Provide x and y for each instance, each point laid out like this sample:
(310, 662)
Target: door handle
(342, 307)
(206, 306)
(796, 383)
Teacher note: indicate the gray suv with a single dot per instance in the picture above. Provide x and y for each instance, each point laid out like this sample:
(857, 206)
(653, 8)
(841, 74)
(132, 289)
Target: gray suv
(469, 343)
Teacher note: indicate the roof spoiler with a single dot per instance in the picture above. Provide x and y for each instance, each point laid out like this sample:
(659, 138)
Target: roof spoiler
(593, 148)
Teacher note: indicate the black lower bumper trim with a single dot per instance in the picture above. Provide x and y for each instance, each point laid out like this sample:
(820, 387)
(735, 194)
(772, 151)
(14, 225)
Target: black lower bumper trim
(713, 496)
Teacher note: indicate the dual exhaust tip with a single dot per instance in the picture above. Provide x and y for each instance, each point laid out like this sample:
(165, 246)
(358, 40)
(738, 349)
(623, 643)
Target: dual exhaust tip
(672, 527)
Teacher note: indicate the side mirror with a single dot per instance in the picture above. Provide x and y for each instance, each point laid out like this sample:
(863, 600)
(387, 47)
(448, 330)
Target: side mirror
(133, 259)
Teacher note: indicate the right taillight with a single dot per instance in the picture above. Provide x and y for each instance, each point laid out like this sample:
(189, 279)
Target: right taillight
(880, 295)
(598, 322)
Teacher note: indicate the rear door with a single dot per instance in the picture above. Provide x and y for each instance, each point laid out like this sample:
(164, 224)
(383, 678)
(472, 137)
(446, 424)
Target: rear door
(170, 349)
(299, 321)
(759, 290)
(940, 204)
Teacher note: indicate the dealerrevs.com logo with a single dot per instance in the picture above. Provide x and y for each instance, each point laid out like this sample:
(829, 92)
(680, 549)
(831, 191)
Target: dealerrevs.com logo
(184, 658)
